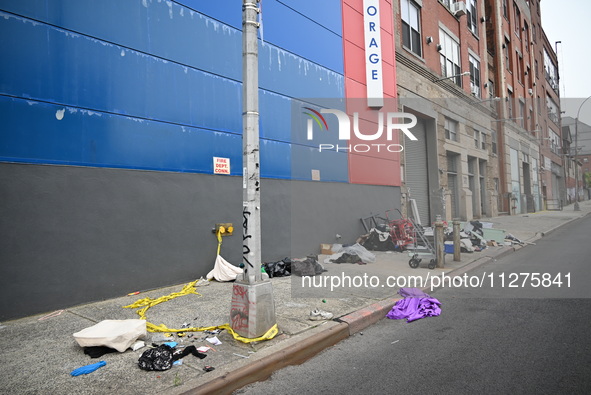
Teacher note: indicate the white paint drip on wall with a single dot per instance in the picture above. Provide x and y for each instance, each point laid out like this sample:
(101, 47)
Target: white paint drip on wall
(169, 4)
(122, 52)
(145, 3)
(59, 114)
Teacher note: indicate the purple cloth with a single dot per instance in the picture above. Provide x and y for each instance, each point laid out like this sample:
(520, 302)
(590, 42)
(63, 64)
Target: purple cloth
(415, 306)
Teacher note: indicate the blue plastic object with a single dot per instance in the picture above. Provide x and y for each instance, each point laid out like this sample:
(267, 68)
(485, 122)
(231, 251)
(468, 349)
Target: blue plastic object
(88, 368)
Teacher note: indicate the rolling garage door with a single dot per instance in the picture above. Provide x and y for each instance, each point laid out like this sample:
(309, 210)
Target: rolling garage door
(417, 179)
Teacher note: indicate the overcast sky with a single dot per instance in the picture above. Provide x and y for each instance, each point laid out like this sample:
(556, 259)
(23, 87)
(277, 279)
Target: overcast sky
(569, 21)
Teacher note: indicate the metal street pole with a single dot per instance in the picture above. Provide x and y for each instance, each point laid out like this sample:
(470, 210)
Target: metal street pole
(253, 310)
(577, 208)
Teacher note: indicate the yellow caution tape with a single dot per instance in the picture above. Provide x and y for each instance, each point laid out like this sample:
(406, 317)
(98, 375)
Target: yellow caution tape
(219, 235)
(146, 303)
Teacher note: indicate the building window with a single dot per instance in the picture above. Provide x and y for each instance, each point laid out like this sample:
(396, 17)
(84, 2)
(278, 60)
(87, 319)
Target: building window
(522, 113)
(449, 57)
(447, 3)
(507, 51)
(491, 90)
(536, 68)
(472, 16)
(526, 34)
(493, 141)
(505, 13)
(476, 138)
(517, 21)
(474, 76)
(533, 32)
(452, 182)
(482, 141)
(551, 71)
(411, 28)
(554, 142)
(510, 104)
(451, 129)
(552, 109)
(519, 58)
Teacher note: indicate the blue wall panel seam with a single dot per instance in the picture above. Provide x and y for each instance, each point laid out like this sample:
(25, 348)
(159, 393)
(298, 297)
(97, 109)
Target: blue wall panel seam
(147, 119)
(159, 57)
(119, 114)
(310, 19)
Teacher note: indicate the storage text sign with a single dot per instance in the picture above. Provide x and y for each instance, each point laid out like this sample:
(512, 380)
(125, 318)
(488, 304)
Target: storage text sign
(373, 53)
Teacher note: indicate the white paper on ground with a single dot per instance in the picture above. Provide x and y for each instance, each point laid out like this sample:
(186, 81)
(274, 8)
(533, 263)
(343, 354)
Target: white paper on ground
(214, 340)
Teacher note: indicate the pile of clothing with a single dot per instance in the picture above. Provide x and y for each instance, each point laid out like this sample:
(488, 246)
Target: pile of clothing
(415, 305)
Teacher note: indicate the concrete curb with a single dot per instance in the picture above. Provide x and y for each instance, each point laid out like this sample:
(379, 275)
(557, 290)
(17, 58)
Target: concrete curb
(261, 369)
(347, 326)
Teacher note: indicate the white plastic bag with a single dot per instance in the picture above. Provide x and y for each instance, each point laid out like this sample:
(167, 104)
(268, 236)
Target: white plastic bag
(356, 249)
(223, 270)
(117, 334)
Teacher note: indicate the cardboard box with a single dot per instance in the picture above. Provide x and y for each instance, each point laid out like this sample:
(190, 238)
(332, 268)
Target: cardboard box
(326, 249)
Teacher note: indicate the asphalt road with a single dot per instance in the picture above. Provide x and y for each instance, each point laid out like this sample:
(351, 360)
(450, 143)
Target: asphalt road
(487, 340)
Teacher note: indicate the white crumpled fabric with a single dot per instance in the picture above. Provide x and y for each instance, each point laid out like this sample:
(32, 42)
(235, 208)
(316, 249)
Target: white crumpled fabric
(223, 270)
(357, 249)
(117, 334)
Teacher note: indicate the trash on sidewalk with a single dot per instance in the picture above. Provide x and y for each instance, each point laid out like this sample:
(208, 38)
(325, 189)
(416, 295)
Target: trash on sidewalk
(307, 267)
(354, 254)
(214, 340)
(147, 303)
(162, 357)
(208, 368)
(512, 238)
(415, 305)
(88, 368)
(117, 334)
(158, 358)
(319, 315)
(138, 345)
(162, 337)
(278, 269)
(378, 240)
(98, 351)
(327, 249)
(51, 315)
(223, 270)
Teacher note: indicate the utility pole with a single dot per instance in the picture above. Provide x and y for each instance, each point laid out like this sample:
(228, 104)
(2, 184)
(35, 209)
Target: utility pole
(577, 208)
(253, 310)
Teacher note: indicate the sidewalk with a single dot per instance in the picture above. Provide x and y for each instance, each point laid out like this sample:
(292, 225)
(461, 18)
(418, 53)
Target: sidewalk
(37, 356)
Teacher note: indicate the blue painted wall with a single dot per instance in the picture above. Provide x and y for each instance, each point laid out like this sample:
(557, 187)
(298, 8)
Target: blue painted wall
(156, 84)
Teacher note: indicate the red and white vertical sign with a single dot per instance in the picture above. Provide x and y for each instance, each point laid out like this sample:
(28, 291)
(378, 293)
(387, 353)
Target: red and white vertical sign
(373, 53)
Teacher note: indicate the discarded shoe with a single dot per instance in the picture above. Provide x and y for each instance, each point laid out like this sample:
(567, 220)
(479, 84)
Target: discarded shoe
(319, 315)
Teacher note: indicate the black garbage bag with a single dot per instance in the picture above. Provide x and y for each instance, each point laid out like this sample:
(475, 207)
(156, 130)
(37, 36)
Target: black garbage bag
(158, 358)
(278, 269)
(307, 267)
(347, 258)
(376, 243)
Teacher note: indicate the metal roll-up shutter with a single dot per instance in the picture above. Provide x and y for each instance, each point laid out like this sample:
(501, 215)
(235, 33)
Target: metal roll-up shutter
(417, 179)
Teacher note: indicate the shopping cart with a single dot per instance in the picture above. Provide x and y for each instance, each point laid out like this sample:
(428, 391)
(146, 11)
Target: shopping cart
(422, 248)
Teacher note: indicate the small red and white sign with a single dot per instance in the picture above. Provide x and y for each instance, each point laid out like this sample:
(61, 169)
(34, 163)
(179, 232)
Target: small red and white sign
(221, 165)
